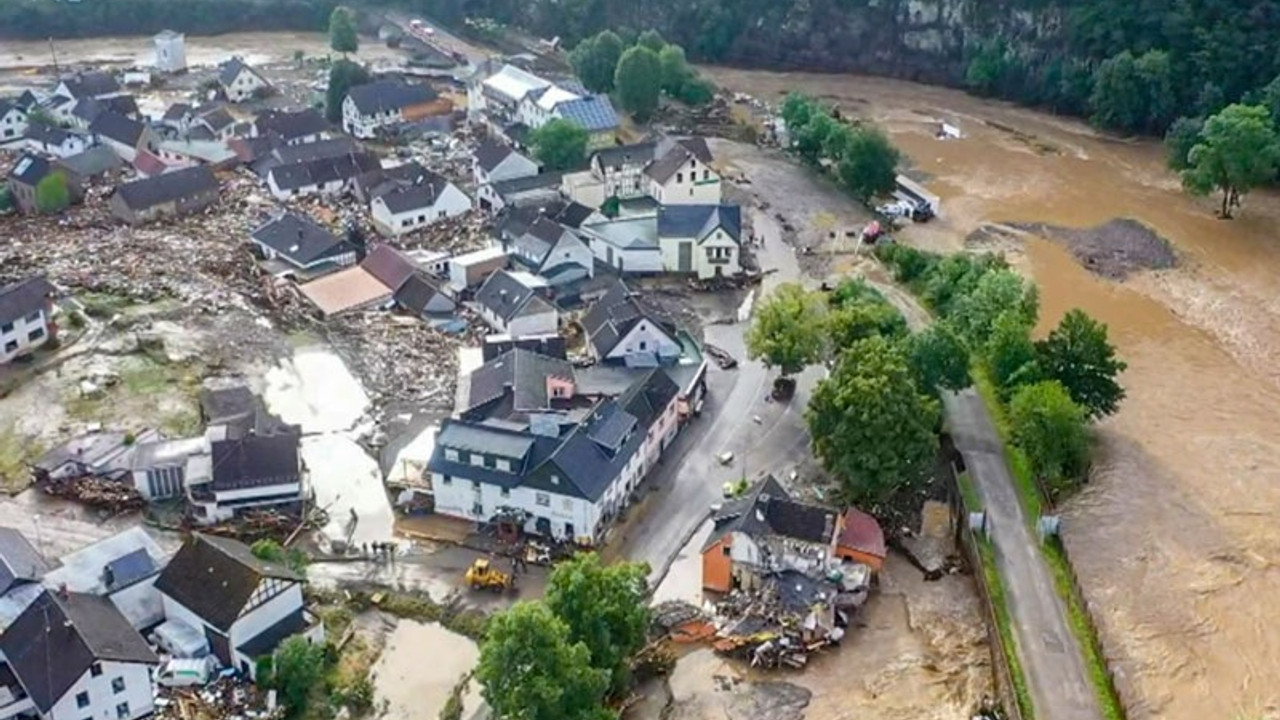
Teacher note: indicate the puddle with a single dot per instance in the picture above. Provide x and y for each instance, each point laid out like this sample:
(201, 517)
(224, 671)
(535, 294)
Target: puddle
(315, 389)
(683, 580)
(419, 669)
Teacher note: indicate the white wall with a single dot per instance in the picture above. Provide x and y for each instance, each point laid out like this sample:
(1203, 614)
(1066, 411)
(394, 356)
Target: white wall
(138, 693)
(724, 245)
(451, 203)
(513, 167)
(366, 126)
(458, 498)
(126, 152)
(243, 86)
(693, 184)
(571, 249)
(250, 625)
(17, 340)
(744, 549)
(645, 338)
(13, 125)
(140, 594)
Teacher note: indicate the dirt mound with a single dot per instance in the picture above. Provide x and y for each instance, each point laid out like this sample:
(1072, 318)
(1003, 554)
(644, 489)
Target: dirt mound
(1114, 249)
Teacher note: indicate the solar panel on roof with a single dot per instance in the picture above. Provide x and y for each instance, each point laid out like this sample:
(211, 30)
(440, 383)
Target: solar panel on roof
(130, 568)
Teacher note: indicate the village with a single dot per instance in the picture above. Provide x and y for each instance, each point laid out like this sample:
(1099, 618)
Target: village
(236, 333)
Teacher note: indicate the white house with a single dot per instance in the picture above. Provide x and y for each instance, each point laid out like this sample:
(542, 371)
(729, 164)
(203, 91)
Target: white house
(74, 656)
(500, 93)
(292, 244)
(629, 245)
(239, 81)
(55, 141)
(125, 136)
(171, 51)
(385, 103)
(551, 251)
(244, 473)
(244, 607)
(122, 568)
(13, 122)
(621, 330)
(413, 206)
(495, 162)
(510, 303)
(321, 175)
(621, 169)
(683, 175)
(26, 317)
(701, 239)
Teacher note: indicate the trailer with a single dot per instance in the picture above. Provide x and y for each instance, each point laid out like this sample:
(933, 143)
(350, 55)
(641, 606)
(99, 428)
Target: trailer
(924, 204)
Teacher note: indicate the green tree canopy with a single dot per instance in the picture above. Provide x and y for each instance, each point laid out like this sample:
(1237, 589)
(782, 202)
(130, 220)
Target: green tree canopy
(871, 426)
(996, 292)
(560, 144)
(1078, 355)
(939, 359)
(529, 669)
(651, 39)
(1010, 354)
(52, 193)
(869, 166)
(1134, 93)
(639, 81)
(789, 331)
(858, 312)
(797, 110)
(595, 60)
(343, 75)
(811, 138)
(1052, 430)
(605, 609)
(272, 551)
(342, 31)
(675, 69)
(297, 668)
(1183, 135)
(1238, 151)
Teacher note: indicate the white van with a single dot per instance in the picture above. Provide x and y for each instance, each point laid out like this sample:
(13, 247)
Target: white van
(185, 672)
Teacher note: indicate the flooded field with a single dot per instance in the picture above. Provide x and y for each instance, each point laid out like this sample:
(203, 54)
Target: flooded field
(418, 670)
(1174, 539)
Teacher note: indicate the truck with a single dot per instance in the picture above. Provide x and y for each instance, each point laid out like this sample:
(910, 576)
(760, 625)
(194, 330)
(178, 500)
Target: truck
(185, 672)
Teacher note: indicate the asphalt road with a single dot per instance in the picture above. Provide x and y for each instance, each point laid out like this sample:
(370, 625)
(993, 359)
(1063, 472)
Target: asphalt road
(691, 479)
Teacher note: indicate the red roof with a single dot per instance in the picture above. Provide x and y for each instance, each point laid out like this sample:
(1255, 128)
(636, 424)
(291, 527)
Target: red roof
(148, 164)
(859, 531)
(389, 266)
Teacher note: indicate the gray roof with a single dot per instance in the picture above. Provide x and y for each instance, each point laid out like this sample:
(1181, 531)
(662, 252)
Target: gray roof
(30, 169)
(171, 186)
(90, 108)
(215, 577)
(521, 373)
(699, 221)
(515, 186)
(20, 299)
(91, 84)
(47, 134)
(612, 317)
(638, 154)
(383, 95)
(649, 398)
(20, 562)
(300, 239)
(323, 170)
(59, 637)
(231, 69)
(637, 233)
(419, 196)
(539, 239)
(491, 153)
(290, 154)
(117, 127)
(672, 155)
(389, 266)
(612, 427)
(508, 298)
(92, 162)
(256, 461)
(595, 113)
(588, 466)
(177, 111)
(474, 437)
(217, 118)
(768, 510)
(291, 124)
(418, 292)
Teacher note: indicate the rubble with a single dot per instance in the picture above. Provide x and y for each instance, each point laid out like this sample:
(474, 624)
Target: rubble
(95, 492)
(230, 696)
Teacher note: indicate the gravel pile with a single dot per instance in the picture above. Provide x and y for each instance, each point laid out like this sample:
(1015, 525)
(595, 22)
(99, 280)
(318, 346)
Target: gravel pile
(1114, 249)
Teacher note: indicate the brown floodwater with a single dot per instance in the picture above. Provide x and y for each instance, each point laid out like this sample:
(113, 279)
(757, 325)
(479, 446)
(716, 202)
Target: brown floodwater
(1174, 540)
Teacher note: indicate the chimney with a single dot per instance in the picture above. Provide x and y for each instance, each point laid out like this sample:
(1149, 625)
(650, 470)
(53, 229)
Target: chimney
(108, 576)
(63, 592)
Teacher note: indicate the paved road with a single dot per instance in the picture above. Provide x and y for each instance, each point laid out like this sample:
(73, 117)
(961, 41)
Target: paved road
(690, 479)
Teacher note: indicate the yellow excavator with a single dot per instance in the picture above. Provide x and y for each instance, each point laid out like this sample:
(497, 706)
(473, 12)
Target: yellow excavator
(482, 575)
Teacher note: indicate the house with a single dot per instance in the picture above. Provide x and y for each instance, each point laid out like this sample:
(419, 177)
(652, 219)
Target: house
(178, 117)
(410, 207)
(470, 269)
(125, 136)
(123, 569)
(298, 246)
(424, 296)
(171, 51)
(683, 175)
(500, 93)
(148, 164)
(26, 176)
(239, 81)
(622, 331)
(21, 569)
(861, 540)
(512, 307)
(245, 473)
(269, 153)
(548, 345)
(765, 532)
(157, 468)
(495, 162)
(75, 656)
(596, 115)
(95, 453)
(372, 283)
(58, 107)
(86, 110)
(512, 94)
(320, 176)
(532, 191)
(185, 153)
(98, 162)
(233, 411)
(211, 123)
(621, 169)
(701, 239)
(629, 245)
(177, 193)
(93, 84)
(373, 106)
(243, 606)
(292, 127)
(55, 141)
(13, 121)
(26, 317)
(548, 249)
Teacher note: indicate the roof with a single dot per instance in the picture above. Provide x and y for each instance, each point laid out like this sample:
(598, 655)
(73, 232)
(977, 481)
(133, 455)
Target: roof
(550, 97)
(255, 461)
(323, 170)
(595, 113)
(216, 117)
(612, 317)
(92, 162)
(149, 164)
(91, 84)
(300, 239)
(539, 239)
(168, 35)
(177, 185)
(6, 105)
(768, 510)
(214, 578)
(348, 289)
(491, 153)
(418, 291)
(859, 531)
(474, 437)
(390, 266)
(549, 345)
(649, 398)
(228, 403)
(697, 146)
(117, 127)
(177, 111)
(231, 69)
(89, 108)
(634, 233)
(672, 155)
(20, 299)
(574, 214)
(47, 134)
(699, 221)
(30, 169)
(421, 195)
(384, 95)
(515, 83)
(522, 373)
(20, 562)
(589, 466)
(291, 124)
(59, 637)
(516, 186)
(507, 298)
(274, 154)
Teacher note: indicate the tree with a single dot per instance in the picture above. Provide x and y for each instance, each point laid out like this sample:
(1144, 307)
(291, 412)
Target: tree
(812, 137)
(790, 329)
(996, 292)
(605, 609)
(595, 60)
(1238, 151)
(871, 426)
(52, 193)
(342, 31)
(797, 110)
(1010, 354)
(675, 69)
(651, 39)
(1269, 97)
(859, 312)
(530, 670)
(560, 144)
(639, 81)
(869, 166)
(297, 667)
(1134, 93)
(272, 551)
(697, 91)
(1182, 136)
(939, 359)
(1078, 355)
(343, 76)
(1051, 429)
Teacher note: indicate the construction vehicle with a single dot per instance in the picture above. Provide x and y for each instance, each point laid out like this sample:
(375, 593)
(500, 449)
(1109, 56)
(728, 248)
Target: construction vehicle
(482, 575)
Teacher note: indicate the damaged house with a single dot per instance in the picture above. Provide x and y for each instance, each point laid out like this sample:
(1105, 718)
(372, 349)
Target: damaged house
(386, 104)
(180, 192)
(26, 317)
(512, 305)
(297, 246)
(425, 198)
(546, 248)
(621, 330)
(123, 569)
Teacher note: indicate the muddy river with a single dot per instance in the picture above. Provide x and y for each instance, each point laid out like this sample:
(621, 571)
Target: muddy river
(1175, 539)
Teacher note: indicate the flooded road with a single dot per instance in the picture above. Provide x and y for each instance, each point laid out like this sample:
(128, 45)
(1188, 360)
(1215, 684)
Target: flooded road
(418, 670)
(1174, 540)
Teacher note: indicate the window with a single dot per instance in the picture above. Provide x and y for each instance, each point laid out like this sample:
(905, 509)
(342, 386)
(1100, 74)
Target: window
(405, 223)
(725, 549)
(117, 685)
(446, 480)
(35, 334)
(706, 174)
(422, 218)
(475, 485)
(451, 455)
(542, 499)
(555, 479)
(95, 669)
(122, 711)
(82, 699)
(568, 504)
(679, 178)
(6, 328)
(502, 464)
(642, 345)
(506, 492)
(477, 459)
(33, 317)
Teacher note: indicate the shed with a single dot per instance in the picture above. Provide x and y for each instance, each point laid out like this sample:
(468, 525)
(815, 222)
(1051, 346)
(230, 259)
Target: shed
(471, 269)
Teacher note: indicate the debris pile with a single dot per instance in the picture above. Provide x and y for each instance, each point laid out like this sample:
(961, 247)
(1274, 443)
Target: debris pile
(96, 492)
(226, 697)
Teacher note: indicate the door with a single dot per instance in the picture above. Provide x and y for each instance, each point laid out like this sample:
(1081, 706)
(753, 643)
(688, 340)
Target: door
(686, 257)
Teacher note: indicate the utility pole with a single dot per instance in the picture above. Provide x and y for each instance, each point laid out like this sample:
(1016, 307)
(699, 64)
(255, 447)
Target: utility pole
(56, 70)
